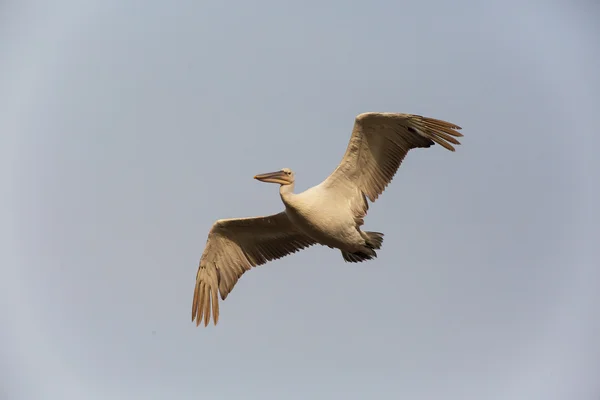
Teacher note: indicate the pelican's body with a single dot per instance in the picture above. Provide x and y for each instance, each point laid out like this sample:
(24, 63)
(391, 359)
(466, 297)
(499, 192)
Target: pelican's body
(324, 216)
(330, 214)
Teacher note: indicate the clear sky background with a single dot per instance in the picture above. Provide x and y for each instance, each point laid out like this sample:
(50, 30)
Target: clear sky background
(128, 128)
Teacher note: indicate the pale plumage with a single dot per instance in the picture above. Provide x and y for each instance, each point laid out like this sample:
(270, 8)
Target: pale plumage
(330, 213)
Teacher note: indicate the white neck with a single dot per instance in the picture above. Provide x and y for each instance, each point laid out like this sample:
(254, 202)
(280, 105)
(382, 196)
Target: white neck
(286, 192)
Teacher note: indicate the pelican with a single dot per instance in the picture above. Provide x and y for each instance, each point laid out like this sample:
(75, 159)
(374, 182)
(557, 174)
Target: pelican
(330, 214)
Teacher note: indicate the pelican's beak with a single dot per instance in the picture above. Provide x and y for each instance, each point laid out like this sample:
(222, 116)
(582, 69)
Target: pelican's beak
(273, 177)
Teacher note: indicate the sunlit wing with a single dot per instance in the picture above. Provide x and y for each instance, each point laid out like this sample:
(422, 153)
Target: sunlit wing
(233, 247)
(379, 143)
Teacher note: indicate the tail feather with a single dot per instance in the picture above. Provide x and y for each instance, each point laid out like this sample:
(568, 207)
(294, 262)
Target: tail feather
(359, 256)
(374, 239)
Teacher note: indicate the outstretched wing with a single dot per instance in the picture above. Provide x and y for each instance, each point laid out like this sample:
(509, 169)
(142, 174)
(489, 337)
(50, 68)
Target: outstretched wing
(233, 247)
(379, 143)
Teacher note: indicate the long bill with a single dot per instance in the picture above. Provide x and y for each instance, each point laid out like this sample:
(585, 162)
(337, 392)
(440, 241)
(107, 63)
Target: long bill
(273, 177)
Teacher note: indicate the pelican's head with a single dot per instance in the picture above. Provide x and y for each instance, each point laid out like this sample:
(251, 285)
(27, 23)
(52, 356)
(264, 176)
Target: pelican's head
(284, 176)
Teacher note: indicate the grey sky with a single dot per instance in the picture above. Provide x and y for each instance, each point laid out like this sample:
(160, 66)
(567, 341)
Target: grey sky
(127, 130)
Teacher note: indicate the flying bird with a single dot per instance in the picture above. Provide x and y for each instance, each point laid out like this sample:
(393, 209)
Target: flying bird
(329, 214)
